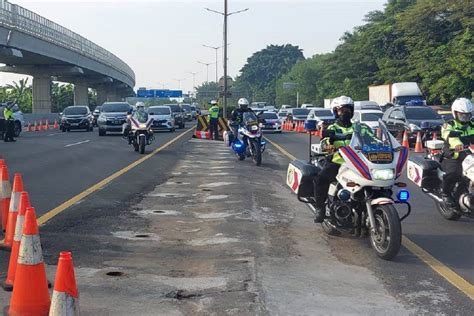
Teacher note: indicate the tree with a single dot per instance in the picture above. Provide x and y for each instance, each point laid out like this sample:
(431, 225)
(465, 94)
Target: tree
(262, 70)
(62, 95)
(21, 93)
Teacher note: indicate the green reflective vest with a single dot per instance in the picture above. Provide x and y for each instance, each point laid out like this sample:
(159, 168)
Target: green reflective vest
(466, 130)
(214, 112)
(8, 114)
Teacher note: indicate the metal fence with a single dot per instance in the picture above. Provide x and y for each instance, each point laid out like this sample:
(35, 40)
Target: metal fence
(14, 17)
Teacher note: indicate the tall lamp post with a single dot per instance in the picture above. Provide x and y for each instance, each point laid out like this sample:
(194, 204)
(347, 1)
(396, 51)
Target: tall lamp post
(179, 82)
(207, 69)
(226, 15)
(216, 48)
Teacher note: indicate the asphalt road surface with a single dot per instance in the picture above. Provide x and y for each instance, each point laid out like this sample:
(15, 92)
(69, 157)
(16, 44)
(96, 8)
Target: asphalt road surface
(191, 230)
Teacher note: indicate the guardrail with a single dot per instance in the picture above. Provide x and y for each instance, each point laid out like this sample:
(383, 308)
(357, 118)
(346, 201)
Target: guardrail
(15, 17)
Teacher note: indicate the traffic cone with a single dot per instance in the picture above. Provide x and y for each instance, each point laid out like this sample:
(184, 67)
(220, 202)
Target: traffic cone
(5, 194)
(418, 145)
(56, 125)
(405, 142)
(30, 288)
(13, 211)
(29, 129)
(36, 128)
(65, 296)
(40, 128)
(24, 204)
(46, 125)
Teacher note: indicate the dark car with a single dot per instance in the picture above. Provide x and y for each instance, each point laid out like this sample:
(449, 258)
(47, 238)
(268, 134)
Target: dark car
(77, 117)
(412, 118)
(177, 113)
(112, 116)
(187, 112)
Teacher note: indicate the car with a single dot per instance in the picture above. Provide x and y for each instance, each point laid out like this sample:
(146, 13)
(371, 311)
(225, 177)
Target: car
(76, 117)
(297, 114)
(96, 114)
(286, 106)
(162, 118)
(403, 117)
(194, 111)
(446, 115)
(307, 106)
(282, 114)
(321, 115)
(368, 117)
(258, 106)
(112, 117)
(366, 105)
(197, 107)
(177, 114)
(271, 122)
(188, 116)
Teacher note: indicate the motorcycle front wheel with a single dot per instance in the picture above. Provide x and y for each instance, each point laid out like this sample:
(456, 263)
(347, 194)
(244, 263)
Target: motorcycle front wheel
(386, 237)
(141, 145)
(447, 212)
(257, 153)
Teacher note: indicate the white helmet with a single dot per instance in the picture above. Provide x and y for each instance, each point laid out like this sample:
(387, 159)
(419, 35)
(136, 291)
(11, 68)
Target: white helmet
(139, 104)
(213, 102)
(341, 101)
(462, 109)
(243, 103)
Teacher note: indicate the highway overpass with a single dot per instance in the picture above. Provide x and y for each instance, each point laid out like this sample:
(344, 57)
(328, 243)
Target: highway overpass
(33, 45)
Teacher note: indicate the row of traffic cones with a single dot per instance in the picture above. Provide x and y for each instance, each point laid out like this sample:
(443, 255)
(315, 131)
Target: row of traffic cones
(298, 127)
(42, 127)
(419, 143)
(26, 275)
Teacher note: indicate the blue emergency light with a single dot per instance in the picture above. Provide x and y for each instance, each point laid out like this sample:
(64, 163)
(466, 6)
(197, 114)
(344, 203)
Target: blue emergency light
(403, 195)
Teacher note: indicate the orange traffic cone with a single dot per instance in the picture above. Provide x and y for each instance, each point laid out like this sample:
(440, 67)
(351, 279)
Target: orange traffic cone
(405, 142)
(418, 145)
(36, 128)
(30, 288)
(24, 204)
(56, 125)
(5, 194)
(13, 211)
(46, 125)
(41, 125)
(65, 296)
(29, 127)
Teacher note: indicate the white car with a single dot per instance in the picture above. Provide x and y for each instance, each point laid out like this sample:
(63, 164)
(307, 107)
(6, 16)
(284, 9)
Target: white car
(368, 117)
(307, 106)
(321, 115)
(272, 122)
(286, 106)
(162, 118)
(282, 114)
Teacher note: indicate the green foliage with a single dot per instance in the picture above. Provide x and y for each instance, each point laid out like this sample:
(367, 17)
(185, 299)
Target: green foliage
(19, 92)
(262, 70)
(427, 41)
(206, 92)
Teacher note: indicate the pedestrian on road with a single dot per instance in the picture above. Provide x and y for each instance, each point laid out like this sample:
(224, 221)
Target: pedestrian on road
(214, 120)
(9, 122)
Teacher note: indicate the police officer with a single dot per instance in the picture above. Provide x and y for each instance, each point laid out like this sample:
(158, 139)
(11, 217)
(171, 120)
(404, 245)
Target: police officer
(454, 154)
(237, 115)
(9, 123)
(214, 120)
(336, 135)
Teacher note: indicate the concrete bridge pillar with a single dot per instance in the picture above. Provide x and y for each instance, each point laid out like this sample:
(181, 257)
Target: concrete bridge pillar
(81, 94)
(41, 94)
(113, 96)
(101, 95)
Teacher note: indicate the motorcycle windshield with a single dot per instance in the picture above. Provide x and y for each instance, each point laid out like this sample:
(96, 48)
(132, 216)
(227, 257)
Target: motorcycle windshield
(249, 118)
(141, 117)
(378, 147)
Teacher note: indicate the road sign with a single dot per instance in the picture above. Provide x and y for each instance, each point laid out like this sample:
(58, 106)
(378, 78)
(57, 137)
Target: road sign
(230, 82)
(154, 93)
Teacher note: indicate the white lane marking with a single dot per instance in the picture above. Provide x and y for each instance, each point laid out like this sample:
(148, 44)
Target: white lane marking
(53, 134)
(78, 143)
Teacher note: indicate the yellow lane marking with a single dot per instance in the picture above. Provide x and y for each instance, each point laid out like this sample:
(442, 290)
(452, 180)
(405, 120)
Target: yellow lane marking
(444, 271)
(57, 210)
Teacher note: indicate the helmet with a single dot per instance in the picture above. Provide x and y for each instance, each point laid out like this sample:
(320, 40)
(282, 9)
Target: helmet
(243, 103)
(340, 102)
(213, 102)
(462, 109)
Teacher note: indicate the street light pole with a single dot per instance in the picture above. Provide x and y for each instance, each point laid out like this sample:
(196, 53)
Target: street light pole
(207, 69)
(194, 78)
(179, 82)
(225, 14)
(216, 48)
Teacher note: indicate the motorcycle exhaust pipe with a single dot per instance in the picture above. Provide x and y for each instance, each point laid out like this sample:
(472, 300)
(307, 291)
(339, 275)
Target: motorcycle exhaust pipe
(435, 197)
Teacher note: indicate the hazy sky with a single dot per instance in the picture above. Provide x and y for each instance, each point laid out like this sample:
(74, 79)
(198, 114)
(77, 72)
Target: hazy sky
(162, 39)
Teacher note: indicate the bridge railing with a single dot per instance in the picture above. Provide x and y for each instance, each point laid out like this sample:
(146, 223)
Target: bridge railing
(15, 17)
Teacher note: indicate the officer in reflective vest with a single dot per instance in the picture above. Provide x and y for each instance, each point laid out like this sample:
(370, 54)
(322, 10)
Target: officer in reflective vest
(9, 122)
(214, 120)
(457, 133)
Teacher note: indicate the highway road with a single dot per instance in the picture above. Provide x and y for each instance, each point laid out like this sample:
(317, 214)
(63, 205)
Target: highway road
(189, 229)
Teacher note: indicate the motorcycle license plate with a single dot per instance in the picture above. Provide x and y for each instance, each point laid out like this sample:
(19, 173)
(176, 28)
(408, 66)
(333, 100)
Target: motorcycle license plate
(381, 156)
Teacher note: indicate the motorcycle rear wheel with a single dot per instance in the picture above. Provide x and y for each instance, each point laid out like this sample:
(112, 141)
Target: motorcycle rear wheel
(387, 238)
(447, 213)
(141, 145)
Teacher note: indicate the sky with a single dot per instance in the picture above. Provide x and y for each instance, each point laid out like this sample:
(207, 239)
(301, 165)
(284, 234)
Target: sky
(162, 40)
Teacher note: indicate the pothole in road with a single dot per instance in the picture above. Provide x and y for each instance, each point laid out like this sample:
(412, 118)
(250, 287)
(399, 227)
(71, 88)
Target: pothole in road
(158, 212)
(130, 235)
(142, 236)
(152, 212)
(115, 274)
(206, 190)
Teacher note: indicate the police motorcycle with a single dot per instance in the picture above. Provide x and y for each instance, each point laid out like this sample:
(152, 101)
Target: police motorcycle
(248, 142)
(360, 202)
(140, 133)
(426, 173)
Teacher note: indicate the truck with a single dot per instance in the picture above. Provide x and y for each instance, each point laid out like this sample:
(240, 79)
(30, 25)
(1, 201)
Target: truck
(327, 103)
(398, 93)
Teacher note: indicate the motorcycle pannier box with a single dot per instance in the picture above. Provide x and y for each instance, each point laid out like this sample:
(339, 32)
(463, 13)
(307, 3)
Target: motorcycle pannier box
(300, 178)
(424, 172)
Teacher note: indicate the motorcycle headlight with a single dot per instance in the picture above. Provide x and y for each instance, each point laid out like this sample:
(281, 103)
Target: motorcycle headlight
(142, 125)
(413, 127)
(254, 128)
(383, 174)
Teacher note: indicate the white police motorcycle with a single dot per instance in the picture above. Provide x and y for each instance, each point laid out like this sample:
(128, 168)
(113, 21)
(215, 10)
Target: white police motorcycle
(360, 201)
(140, 133)
(248, 142)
